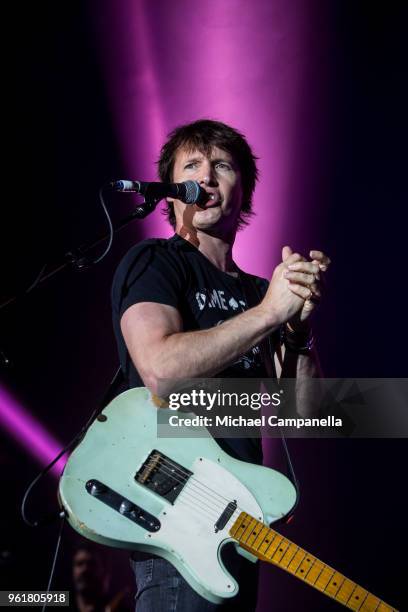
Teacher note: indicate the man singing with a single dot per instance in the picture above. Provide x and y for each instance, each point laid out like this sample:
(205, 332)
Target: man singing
(183, 309)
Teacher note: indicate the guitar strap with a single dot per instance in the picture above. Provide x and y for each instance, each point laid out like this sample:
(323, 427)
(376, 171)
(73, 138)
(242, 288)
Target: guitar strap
(268, 348)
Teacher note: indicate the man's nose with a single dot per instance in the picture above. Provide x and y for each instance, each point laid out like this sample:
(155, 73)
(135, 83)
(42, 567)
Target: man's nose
(209, 177)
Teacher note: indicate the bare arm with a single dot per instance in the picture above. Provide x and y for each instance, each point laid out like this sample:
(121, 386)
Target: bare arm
(160, 349)
(306, 370)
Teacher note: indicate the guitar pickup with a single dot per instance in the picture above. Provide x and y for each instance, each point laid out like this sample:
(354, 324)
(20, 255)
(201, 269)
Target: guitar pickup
(225, 516)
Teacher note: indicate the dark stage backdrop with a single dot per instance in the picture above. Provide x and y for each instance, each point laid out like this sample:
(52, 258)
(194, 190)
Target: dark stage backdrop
(348, 196)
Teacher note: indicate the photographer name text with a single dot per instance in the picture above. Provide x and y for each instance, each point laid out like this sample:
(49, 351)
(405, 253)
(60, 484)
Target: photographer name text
(240, 421)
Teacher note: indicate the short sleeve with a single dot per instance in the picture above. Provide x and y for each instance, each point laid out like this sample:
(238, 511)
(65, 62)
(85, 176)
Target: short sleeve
(151, 271)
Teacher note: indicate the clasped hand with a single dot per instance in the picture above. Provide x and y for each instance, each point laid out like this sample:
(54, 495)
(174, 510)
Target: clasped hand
(296, 287)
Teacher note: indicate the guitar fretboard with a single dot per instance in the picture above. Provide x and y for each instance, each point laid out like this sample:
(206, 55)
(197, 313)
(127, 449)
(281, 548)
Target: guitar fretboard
(271, 546)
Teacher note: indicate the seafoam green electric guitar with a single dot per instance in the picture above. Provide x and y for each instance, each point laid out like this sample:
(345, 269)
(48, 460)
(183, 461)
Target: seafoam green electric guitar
(183, 499)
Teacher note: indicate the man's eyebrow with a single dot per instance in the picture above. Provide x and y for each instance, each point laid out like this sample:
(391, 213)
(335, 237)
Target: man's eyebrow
(192, 159)
(222, 159)
(216, 160)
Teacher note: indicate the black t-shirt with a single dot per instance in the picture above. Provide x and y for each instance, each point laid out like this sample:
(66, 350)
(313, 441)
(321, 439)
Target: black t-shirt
(176, 273)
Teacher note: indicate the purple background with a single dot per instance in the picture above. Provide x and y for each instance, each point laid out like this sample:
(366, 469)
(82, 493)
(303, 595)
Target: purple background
(261, 67)
(320, 90)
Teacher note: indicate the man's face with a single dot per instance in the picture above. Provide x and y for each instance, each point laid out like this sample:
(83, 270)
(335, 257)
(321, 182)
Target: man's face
(219, 175)
(87, 573)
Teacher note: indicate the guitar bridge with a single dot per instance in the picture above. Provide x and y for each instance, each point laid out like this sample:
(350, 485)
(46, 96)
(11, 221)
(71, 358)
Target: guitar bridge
(163, 476)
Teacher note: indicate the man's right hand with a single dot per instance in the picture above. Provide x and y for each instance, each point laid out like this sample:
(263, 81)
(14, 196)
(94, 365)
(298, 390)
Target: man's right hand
(163, 352)
(280, 302)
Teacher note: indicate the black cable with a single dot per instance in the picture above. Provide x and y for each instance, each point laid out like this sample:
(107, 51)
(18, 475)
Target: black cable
(51, 517)
(75, 257)
(44, 471)
(32, 286)
(116, 380)
(105, 210)
(54, 561)
(255, 291)
(291, 470)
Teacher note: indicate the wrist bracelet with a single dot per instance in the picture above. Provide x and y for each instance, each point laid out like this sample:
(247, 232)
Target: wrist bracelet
(297, 342)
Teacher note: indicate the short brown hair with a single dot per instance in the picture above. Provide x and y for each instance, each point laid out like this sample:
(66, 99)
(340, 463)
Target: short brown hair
(203, 135)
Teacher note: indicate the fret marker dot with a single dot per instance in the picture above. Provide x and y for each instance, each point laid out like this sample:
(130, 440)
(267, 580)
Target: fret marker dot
(334, 583)
(357, 597)
(301, 571)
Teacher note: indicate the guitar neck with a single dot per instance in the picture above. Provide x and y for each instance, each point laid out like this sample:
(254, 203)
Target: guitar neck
(270, 546)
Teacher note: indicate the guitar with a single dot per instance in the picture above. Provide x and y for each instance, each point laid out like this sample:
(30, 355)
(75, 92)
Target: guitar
(183, 499)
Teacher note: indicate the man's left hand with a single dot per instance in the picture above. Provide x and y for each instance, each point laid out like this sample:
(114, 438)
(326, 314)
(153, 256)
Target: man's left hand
(306, 279)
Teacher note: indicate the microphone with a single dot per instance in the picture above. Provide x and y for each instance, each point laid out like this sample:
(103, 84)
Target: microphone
(189, 192)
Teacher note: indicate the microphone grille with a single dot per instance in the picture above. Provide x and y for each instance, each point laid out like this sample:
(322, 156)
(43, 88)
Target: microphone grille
(192, 192)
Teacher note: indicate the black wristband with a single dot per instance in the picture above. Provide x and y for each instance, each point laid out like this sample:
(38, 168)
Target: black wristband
(297, 342)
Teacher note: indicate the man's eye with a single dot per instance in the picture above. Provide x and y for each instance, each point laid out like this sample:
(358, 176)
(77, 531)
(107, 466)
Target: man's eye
(190, 165)
(224, 166)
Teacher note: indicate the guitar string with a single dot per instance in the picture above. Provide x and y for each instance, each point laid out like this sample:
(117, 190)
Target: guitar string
(184, 479)
(220, 508)
(215, 511)
(193, 504)
(212, 518)
(191, 477)
(187, 476)
(289, 543)
(201, 484)
(195, 507)
(193, 483)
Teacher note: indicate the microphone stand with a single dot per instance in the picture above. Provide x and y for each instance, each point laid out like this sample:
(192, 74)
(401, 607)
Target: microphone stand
(77, 257)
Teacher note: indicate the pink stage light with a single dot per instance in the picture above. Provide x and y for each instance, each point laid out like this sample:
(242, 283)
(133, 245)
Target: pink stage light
(27, 432)
(248, 64)
(256, 66)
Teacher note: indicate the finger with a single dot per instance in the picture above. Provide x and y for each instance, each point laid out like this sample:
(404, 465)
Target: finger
(300, 278)
(305, 266)
(318, 275)
(294, 257)
(301, 291)
(322, 267)
(320, 278)
(286, 252)
(316, 293)
(321, 258)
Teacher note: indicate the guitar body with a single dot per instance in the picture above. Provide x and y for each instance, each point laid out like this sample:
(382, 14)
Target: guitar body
(176, 498)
